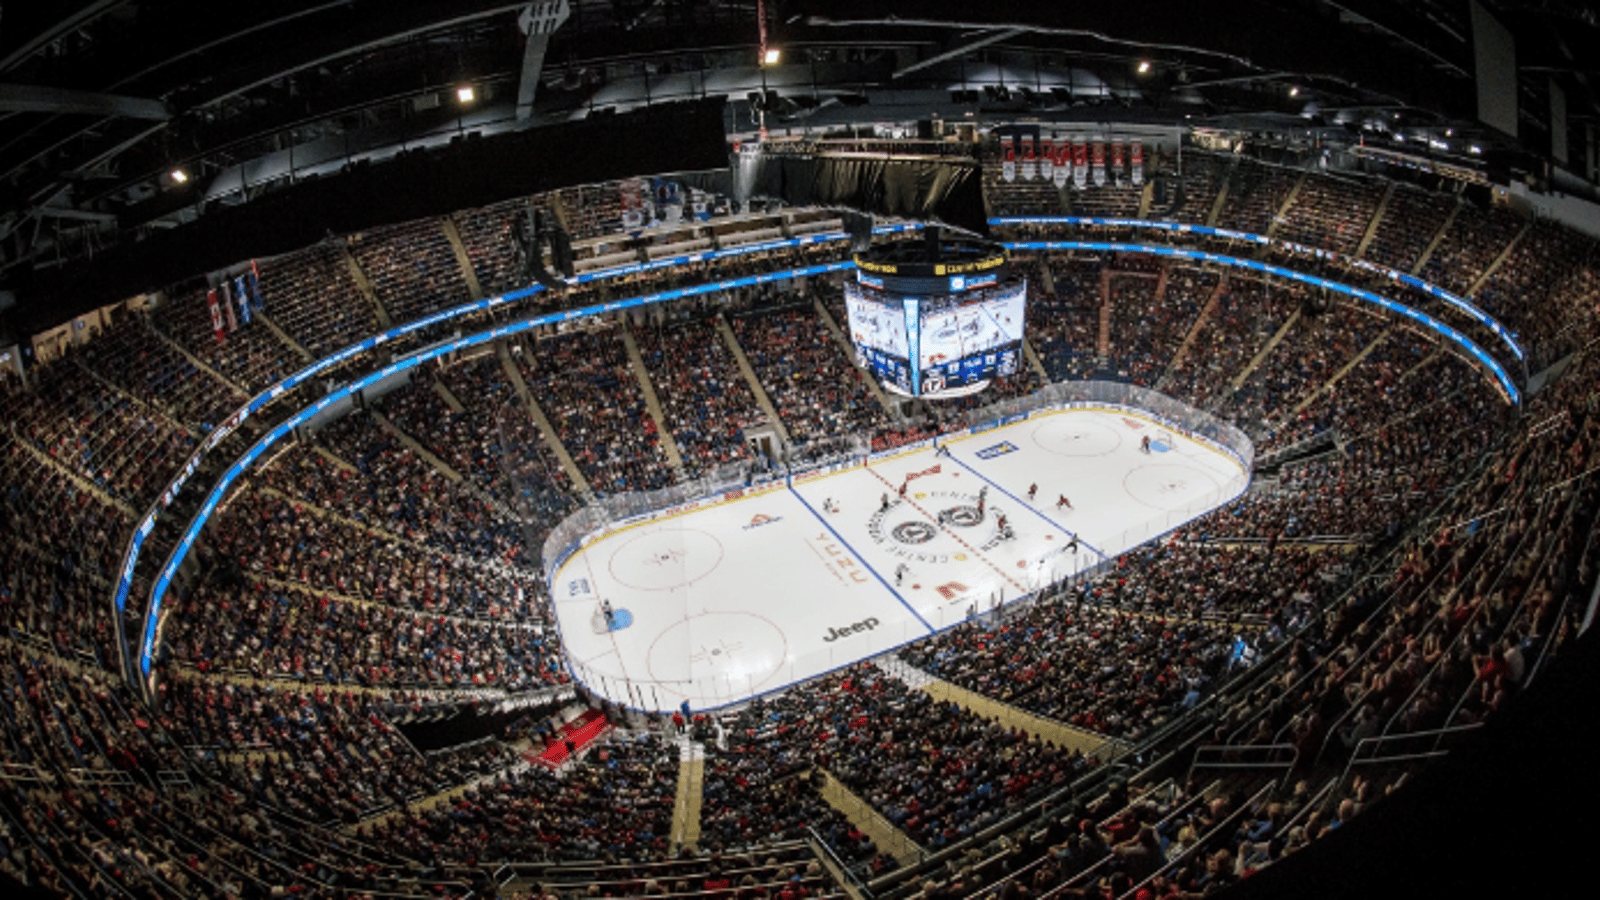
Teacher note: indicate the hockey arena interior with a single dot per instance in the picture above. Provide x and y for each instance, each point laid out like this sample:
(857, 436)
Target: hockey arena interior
(779, 450)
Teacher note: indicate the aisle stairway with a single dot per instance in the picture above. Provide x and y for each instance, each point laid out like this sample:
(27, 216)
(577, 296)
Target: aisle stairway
(535, 412)
(1182, 353)
(691, 793)
(652, 403)
(1043, 729)
(869, 821)
(762, 400)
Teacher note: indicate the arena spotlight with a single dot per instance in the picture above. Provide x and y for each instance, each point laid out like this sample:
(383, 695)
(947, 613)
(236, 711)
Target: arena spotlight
(1144, 67)
(771, 57)
(178, 176)
(465, 93)
(1294, 91)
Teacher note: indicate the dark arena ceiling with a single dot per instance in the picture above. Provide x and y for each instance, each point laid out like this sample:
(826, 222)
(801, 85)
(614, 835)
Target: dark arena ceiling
(104, 100)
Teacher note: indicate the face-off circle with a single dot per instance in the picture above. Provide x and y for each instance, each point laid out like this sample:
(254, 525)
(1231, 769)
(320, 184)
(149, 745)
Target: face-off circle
(740, 648)
(1169, 486)
(666, 559)
(914, 532)
(1075, 437)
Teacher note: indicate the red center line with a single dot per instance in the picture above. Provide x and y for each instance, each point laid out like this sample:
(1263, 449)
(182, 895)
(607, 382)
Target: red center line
(946, 529)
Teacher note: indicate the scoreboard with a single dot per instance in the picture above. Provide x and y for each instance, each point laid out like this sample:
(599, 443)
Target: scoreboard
(936, 327)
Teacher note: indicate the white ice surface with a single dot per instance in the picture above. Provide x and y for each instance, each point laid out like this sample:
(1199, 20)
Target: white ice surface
(751, 594)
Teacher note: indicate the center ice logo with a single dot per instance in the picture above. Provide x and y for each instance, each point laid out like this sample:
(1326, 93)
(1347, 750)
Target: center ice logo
(760, 519)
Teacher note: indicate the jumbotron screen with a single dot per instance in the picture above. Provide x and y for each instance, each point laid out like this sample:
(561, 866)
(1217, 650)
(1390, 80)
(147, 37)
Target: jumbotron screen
(962, 339)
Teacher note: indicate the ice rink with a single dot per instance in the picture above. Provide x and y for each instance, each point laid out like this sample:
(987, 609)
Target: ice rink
(748, 594)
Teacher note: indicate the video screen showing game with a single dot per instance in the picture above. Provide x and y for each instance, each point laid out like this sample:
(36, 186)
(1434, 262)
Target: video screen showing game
(970, 337)
(961, 339)
(878, 332)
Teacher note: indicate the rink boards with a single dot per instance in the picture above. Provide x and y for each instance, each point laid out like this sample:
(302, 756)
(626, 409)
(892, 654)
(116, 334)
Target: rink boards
(753, 589)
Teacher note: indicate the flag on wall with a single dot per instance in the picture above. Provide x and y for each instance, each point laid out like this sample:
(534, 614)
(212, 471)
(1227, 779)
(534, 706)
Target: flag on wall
(1008, 159)
(256, 299)
(241, 295)
(1097, 166)
(1116, 161)
(227, 306)
(1030, 166)
(1136, 173)
(1063, 167)
(1080, 164)
(216, 315)
(1047, 163)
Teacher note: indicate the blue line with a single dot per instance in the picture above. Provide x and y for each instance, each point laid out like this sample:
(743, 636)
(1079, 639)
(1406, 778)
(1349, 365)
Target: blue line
(1024, 504)
(870, 567)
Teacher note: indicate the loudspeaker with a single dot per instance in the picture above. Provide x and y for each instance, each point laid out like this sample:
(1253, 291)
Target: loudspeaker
(859, 226)
(535, 269)
(561, 252)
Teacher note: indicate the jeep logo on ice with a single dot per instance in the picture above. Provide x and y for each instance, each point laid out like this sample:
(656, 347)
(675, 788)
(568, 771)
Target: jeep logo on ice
(835, 633)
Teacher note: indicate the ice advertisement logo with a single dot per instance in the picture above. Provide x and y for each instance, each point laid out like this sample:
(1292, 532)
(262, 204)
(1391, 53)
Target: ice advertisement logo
(1000, 449)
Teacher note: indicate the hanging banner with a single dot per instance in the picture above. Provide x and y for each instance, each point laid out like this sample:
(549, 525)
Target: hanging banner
(1063, 163)
(1008, 159)
(256, 300)
(1136, 173)
(216, 315)
(1116, 163)
(241, 296)
(631, 193)
(227, 306)
(1097, 165)
(1030, 163)
(1080, 164)
(1047, 163)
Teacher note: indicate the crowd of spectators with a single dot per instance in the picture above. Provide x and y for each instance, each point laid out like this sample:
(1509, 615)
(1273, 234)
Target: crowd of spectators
(1150, 318)
(107, 437)
(1099, 669)
(129, 357)
(314, 298)
(817, 390)
(936, 770)
(59, 559)
(616, 802)
(1317, 346)
(1330, 213)
(250, 356)
(1247, 314)
(705, 399)
(341, 577)
(587, 388)
(411, 268)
